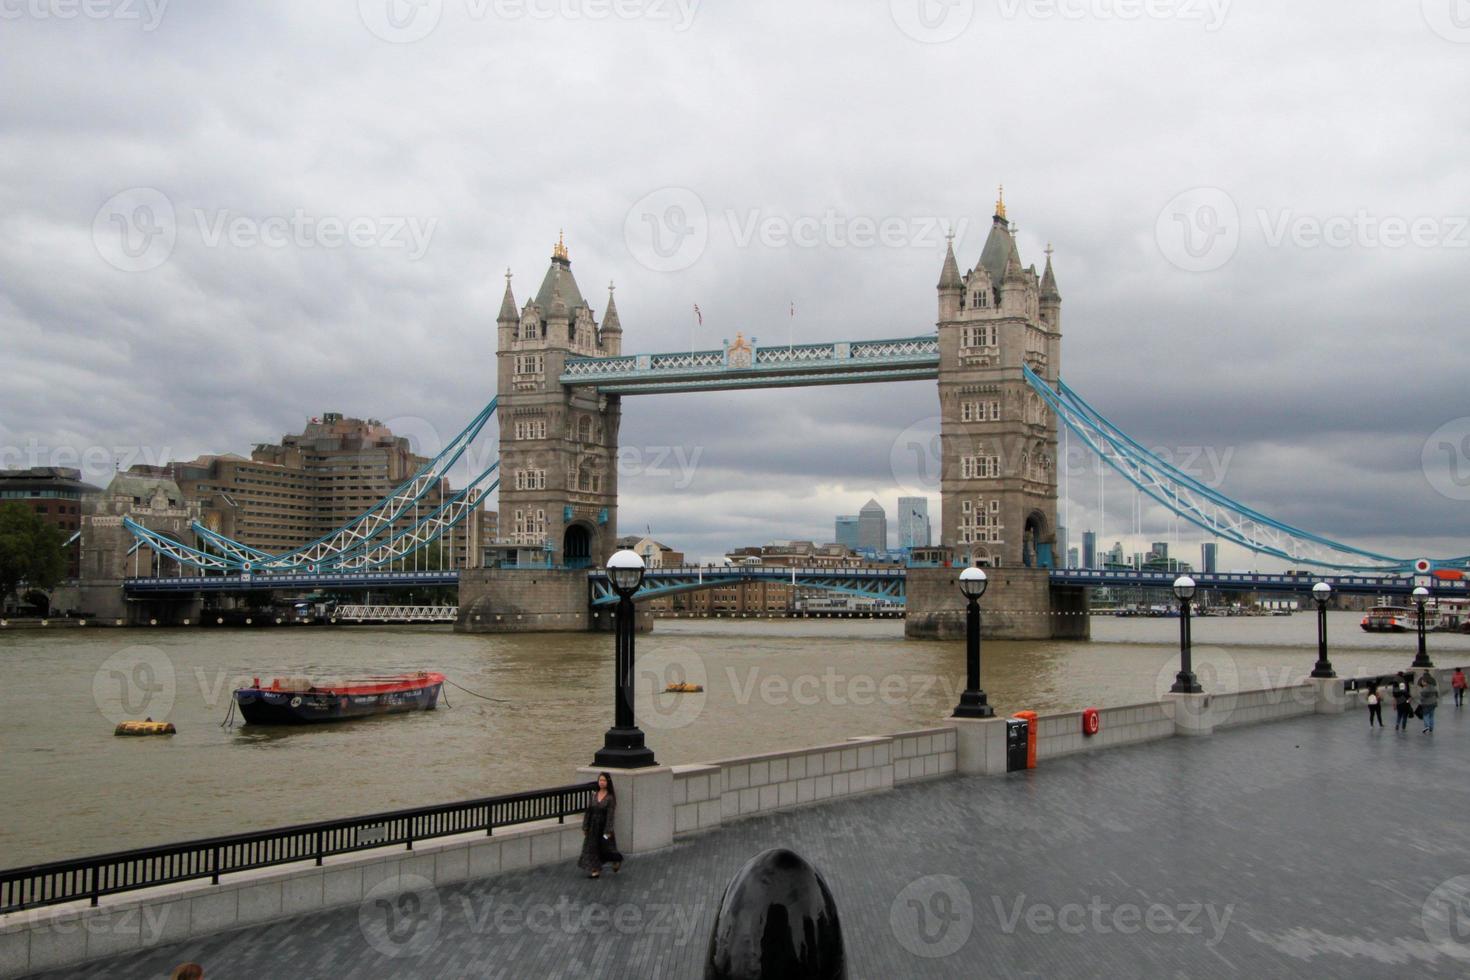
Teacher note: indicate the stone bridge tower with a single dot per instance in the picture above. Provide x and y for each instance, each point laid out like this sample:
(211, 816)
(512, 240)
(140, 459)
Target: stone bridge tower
(998, 468)
(558, 445)
(998, 438)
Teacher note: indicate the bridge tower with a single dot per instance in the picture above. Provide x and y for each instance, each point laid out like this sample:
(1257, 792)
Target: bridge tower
(998, 476)
(558, 474)
(558, 445)
(998, 464)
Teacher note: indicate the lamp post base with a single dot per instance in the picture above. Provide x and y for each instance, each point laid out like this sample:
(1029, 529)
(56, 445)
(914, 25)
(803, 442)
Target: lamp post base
(974, 704)
(623, 748)
(1323, 669)
(1186, 683)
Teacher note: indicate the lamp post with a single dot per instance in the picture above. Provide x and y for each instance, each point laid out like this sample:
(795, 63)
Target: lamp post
(1322, 592)
(1185, 682)
(622, 746)
(1421, 660)
(973, 703)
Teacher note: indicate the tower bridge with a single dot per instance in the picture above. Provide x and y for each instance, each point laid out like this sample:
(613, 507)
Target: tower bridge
(995, 356)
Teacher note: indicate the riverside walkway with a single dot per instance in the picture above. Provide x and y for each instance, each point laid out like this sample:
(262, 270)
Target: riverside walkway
(1305, 848)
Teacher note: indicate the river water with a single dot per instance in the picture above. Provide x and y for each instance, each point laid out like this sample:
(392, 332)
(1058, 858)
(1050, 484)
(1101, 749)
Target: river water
(70, 788)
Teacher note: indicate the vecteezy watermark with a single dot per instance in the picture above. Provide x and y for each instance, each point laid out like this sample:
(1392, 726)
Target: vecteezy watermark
(932, 21)
(1100, 918)
(840, 689)
(670, 685)
(134, 683)
(669, 229)
(1446, 459)
(1210, 13)
(660, 462)
(89, 459)
(1362, 229)
(933, 916)
(1450, 19)
(405, 915)
(147, 13)
(146, 922)
(1445, 917)
(1199, 229)
(137, 230)
(407, 21)
(401, 916)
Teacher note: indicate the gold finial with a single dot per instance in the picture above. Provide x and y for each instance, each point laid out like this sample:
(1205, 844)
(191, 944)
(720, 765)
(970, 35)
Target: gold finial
(1000, 202)
(560, 251)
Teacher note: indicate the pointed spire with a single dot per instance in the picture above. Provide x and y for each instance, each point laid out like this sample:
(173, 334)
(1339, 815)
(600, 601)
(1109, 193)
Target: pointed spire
(1000, 203)
(949, 276)
(610, 319)
(558, 302)
(1049, 279)
(508, 312)
(560, 250)
(1013, 261)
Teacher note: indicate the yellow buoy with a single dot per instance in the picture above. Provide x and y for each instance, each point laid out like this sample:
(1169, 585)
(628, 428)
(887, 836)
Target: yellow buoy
(148, 727)
(684, 689)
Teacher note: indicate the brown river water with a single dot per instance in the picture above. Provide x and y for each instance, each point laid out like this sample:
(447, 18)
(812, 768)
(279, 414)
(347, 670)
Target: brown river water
(69, 788)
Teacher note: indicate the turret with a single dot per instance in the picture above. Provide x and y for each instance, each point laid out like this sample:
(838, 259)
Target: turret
(509, 320)
(610, 338)
(951, 287)
(1051, 299)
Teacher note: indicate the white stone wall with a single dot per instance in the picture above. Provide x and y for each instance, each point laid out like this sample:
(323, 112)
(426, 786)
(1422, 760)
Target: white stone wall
(61, 935)
(1255, 707)
(1061, 734)
(707, 796)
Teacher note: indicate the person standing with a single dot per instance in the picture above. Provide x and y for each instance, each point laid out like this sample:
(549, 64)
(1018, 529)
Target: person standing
(1457, 681)
(1402, 703)
(1428, 701)
(598, 844)
(1375, 706)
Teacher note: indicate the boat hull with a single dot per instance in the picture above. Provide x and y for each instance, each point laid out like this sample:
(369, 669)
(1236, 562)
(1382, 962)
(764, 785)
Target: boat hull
(268, 707)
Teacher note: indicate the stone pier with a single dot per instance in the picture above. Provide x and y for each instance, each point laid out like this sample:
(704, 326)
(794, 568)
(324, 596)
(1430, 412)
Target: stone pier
(1019, 604)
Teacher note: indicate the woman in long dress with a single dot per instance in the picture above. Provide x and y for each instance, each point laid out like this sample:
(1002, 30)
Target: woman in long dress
(598, 844)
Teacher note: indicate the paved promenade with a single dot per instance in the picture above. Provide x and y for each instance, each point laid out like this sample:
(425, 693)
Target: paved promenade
(1307, 848)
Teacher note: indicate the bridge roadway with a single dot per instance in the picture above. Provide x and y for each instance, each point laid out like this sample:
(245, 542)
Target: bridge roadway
(886, 582)
(1305, 848)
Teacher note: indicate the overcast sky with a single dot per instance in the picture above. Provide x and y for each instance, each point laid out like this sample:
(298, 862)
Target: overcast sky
(222, 219)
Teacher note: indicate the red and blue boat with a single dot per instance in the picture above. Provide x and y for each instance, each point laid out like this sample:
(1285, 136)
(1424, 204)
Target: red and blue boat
(301, 701)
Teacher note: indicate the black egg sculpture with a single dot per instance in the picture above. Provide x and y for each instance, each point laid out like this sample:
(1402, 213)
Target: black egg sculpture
(776, 920)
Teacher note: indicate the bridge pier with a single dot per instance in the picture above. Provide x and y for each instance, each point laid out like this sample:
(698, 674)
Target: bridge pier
(1020, 604)
(532, 600)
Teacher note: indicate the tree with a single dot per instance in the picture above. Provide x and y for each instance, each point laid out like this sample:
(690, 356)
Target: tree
(31, 551)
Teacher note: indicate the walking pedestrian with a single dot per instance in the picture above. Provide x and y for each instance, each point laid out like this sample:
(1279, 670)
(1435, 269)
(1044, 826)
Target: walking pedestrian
(1428, 701)
(1402, 703)
(1375, 706)
(599, 846)
(1457, 681)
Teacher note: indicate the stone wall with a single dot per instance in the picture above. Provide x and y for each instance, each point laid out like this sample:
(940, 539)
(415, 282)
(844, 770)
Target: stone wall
(1019, 604)
(532, 600)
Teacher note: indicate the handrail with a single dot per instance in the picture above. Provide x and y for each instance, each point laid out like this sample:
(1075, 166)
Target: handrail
(108, 874)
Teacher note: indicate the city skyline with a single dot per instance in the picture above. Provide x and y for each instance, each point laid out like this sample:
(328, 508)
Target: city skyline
(403, 332)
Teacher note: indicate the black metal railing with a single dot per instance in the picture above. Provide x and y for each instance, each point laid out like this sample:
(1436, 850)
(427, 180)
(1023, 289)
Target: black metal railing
(108, 874)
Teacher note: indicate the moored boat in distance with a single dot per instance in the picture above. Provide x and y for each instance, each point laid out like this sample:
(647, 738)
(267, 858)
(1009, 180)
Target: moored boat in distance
(301, 701)
(1388, 618)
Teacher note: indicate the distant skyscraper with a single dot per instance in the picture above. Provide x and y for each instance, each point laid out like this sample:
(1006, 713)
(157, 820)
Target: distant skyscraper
(913, 522)
(847, 532)
(1208, 552)
(873, 527)
(1159, 550)
(1071, 557)
(1063, 541)
(1089, 549)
